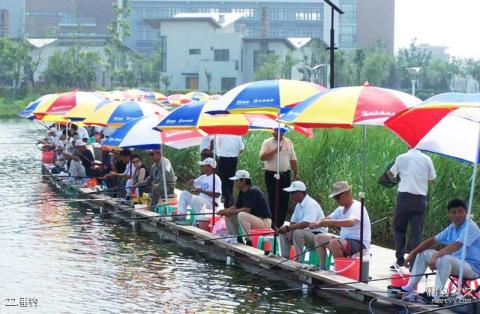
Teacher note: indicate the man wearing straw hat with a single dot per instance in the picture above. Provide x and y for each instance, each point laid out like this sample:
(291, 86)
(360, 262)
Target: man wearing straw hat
(156, 177)
(287, 163)
(208, 190)
(347, 217)
(416, 171)
(306, 211)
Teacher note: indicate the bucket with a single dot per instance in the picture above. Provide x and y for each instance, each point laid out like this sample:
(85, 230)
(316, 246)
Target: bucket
(91, 183)
(347, 267)
(210, 222)
(47, 156)
(203, 224)
(255, 233)
(398, 281)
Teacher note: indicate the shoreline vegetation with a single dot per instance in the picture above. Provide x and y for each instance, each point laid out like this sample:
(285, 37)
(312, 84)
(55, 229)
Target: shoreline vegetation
(333, 155)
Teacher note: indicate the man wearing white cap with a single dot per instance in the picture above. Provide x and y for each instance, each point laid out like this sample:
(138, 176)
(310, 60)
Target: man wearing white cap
(347, 217)
(297, 232)
(204, 186)
(82, 160)
(251, 208)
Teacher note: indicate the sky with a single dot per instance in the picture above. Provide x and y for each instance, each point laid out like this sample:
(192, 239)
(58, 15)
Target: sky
(452, 23)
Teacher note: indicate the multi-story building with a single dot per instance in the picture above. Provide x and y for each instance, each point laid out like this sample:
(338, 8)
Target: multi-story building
(12, 18)
(85, 19)
(363, 22)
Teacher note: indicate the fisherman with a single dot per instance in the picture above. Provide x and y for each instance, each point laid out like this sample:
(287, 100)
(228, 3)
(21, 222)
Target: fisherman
(307, 210)
(250, 210)
(347, 217)
(416, 171)
(447, 261)
(125, 156)
(228, 148)
(288, 162)
(204, 185)
(84, 156)
(155, 178)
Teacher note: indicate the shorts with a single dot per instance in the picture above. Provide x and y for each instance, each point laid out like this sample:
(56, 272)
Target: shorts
(352, 247)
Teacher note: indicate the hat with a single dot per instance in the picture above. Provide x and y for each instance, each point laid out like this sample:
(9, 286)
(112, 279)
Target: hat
(241, 174)
(52, 130)
(208, 161)
(79, 143)
(296, 186)
(339, 188)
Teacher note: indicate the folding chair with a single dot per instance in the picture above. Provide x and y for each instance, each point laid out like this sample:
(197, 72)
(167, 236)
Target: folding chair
(469, 286)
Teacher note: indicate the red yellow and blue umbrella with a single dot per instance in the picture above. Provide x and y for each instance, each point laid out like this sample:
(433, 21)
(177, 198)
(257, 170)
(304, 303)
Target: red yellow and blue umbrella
(116, 114)
(270, 97)
(27, 113)
(60, 104)
(344, 107)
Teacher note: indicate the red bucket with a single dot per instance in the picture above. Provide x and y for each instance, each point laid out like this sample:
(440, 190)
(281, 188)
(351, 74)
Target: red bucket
(256, 233)
(347, 267)
(207, 225)
(398, 281)
(210, 222)
(47, 156)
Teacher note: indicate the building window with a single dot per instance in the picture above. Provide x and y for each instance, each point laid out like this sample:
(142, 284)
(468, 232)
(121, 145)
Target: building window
(194, 51)
(221, 55)
(228, 83)
(191, 81)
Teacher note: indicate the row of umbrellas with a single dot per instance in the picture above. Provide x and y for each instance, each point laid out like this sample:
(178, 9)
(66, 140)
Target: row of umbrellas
(446, 124)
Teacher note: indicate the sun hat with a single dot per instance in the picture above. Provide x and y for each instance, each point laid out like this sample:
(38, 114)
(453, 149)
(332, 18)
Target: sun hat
(339, 188)
(208, 162)
(296, 186)
(241, 174)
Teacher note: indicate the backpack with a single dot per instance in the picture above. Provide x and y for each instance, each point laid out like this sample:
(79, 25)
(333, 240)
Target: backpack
(385, 181)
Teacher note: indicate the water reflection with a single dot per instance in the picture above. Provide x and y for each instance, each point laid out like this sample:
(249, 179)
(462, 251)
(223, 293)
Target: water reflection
(75, 261)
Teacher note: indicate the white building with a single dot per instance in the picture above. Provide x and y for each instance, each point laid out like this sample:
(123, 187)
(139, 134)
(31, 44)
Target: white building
(199, 45)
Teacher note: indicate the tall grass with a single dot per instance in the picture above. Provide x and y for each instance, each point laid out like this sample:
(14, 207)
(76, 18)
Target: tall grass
(335, 154)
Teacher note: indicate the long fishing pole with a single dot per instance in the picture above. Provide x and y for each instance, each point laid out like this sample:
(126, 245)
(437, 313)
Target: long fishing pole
(445, 307)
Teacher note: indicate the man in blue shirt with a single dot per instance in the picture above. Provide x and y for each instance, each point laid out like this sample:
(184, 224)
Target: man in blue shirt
(447, 261)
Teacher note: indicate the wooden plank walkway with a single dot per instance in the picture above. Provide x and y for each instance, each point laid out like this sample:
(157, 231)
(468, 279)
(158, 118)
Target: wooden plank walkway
(359, 293)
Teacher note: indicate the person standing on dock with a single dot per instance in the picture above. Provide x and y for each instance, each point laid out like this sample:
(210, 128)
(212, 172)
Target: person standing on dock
(156, 177)
(288, 162)
(250, 210)
(416, 171)
(204, 185)
(447, 261)
(347, 217)
(228, 148)
(307, 210)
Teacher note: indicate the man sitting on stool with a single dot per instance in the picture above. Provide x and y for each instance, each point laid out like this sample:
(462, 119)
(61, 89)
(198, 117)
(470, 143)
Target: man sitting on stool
(306, 211)
(347, 217)
(447, 260)
(204, 186)
(251, 208)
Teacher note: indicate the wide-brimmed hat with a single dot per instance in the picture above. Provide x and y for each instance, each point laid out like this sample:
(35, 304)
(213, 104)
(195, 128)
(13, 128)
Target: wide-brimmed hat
(296, 186)
(208, 162)
(339, 188)
(241, 174)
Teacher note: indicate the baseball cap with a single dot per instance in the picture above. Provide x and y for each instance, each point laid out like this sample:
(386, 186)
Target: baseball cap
(208, 162)
(80, 143)
(241, 174)
(296, 186)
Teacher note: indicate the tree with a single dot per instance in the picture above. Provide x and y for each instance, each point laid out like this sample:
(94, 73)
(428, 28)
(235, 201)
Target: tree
(413, 56)
(208, 76)
(376, 64)
(166, 79)
(13, 55)
(268, 67)
(287, 65)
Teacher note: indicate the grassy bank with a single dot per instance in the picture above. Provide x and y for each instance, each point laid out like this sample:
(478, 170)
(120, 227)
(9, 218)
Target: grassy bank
(10, 108)
(335, 155)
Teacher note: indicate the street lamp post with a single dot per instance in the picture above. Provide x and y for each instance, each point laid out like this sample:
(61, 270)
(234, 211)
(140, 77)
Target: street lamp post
(413, 71)
(332, 41)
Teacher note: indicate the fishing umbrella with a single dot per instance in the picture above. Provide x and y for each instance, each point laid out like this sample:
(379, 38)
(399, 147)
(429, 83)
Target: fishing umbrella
(344, 107)
(27, 113)
(79, 113)
(447, 124)
(177, 100)
(197, 96)
(61, 103)
(116, 114)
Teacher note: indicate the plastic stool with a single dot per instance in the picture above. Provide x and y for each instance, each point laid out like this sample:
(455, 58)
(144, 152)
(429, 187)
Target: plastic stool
(263, 239)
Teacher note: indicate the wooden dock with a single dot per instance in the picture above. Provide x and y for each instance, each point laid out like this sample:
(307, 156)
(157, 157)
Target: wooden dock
(346, 290)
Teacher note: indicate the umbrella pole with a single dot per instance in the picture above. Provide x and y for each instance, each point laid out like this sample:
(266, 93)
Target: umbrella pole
(213, 179)
(164, 179)
(470, 205)
(277, 189)
(362, 200)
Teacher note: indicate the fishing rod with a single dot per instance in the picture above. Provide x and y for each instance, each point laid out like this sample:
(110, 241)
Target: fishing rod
(215, 239)
(66, 200)
(446, 307)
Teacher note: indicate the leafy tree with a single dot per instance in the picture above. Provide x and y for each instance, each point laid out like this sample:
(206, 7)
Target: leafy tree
(287, 65)
(268, 67)
(166, 79)
(208, 76)
(376, 64)
(13, 55)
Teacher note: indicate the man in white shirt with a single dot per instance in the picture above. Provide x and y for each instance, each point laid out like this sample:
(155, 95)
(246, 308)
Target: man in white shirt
(347, 217)
(288, 161)
(297, 232)
(204, 185)
(416, 171)
(227, 148)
